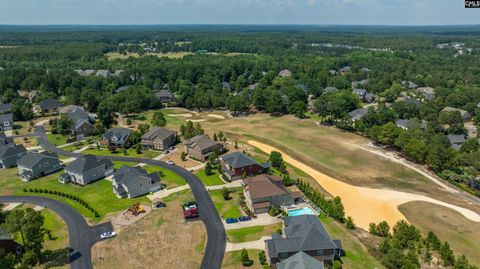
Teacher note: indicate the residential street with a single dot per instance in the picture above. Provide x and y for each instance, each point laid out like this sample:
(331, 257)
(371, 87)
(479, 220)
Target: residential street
(81, 235)
(216, 242)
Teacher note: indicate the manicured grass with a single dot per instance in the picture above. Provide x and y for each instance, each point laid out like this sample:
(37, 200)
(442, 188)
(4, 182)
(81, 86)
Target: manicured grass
(251, 233)
(57, 226)
(227, 209)
(117, 164)
(98, 194)
(57, 139)
(119, 152)
(171, 179)
(211, 180)
(357, 256)
(232, 260)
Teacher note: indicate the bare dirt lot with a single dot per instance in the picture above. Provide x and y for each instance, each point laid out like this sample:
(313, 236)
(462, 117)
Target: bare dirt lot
(162, 239)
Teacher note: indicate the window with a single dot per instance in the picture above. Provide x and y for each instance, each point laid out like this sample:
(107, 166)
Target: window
(320, 252)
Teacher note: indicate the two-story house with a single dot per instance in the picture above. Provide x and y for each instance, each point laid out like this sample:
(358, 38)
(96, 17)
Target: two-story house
(116, 138)
(132, 182)
(236, 165)
(6, 122)
(86, 169)
(158, 138)
(37, 164)
(10, 153)
(200, 147)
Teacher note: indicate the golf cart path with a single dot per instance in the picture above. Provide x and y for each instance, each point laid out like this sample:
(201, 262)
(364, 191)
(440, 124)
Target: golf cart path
(366, 205)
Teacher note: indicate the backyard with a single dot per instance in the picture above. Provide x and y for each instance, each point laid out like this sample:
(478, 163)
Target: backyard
(148, 154)
(227, 208)
(171, 179)
(232, 260)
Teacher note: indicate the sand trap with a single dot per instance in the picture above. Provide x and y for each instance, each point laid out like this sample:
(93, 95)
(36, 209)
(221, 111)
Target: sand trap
(216, 116)
(366, 205)
(200, 120)
(185, 115)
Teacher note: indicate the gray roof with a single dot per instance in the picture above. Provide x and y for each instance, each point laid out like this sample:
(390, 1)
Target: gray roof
(120, 135)
(463, 113)
(370, 97)
(6, 117)
(158, 132)
(302, 233)
(31, 159)
(329, 89)
(4, 139)
(358, 113)
(301, 260)
(87, 163)
(409, 84)
(360, 92)
(136, 180)
(456, 141)
(11, 150)
(238, 160)
(226, 85)
(5, 107)
(122, 88)
(407, 124)
(50, 104)
(77, 114)
(164, 94)
(104, 73)
(302, 86)
(4, 235)
(201, 141)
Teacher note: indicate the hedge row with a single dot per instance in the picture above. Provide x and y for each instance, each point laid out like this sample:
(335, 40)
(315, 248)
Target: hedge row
(65, 195)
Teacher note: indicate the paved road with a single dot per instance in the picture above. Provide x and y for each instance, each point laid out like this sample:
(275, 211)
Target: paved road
(81, 235)
(216, 241)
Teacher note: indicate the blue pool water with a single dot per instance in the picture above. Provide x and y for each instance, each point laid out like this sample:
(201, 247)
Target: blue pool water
(301, 211)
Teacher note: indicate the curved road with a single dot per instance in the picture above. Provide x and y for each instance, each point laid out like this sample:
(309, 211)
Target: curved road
(216, 237)
(81, 235)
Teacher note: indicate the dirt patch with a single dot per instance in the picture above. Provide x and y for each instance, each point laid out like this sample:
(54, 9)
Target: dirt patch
(216, 116)
(126, 218)
(162, 239)
(176, 157)
(366, 205)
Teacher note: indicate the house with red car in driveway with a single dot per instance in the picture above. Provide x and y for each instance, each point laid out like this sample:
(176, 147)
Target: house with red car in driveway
(236, 165)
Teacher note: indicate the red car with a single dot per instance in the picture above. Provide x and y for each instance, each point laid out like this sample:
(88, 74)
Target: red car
(190, 210)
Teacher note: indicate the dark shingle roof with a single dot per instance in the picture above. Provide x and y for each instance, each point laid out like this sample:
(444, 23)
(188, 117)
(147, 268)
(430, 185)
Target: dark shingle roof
(121, 135)
(300, 261)
(11, 149)
(87, 163)
(122, 89)
(238, 160)
(5, 107)
(32, 158)
(50, 104)
(136, 180)
(164, 94)
(201, 142)
(6, 117)
(329, 90)
(77, 114)
(4, 139)
(358, 113)
(157, 132)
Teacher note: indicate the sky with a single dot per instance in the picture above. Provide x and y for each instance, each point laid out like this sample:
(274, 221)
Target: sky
(322, 12)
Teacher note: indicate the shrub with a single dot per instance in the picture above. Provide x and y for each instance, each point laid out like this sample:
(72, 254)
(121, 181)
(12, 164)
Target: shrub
(262, 257)
(245, 259)
(273, 211)
(349, 223)
(30, 190)
(24, 190)
(337, 264)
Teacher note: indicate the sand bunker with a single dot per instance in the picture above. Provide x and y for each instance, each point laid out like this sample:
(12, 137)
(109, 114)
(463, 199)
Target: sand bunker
(216, 116)
(185, 115)
(200, 120)
(366, 205)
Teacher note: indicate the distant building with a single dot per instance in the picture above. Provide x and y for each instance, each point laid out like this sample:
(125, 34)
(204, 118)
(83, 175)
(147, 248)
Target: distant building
(10, 153)
(344, 70)
(50, 105)
(456, 141)
(104, 74)
(122, 89)
(82, 122)
(409, 84)
(329, 89)
(4, 139)
(201, 147)
(302, 87)
(357, 83)
(38, 164)
(158, 138)
(86, 169)
(465, 114)
(410, 124)
(4, 108)
(165, 95)
(358, 114)
(116, 138)
(285, 73)
(132, 182)
(369, 97)
(427, 92)
(6, 122)
(360, 93)
(7, 244)
(301, 260)
(237, 164)
(226, 85)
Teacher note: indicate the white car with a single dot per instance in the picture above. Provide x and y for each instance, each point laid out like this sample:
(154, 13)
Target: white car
(106, 235)
(171, 162)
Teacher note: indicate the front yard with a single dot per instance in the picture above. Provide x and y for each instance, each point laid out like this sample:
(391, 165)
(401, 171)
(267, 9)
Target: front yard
(57, 139)
(168, 177)
(227, 209)
(232, 260)
(251, 233)
(210, 180)
(148, 154)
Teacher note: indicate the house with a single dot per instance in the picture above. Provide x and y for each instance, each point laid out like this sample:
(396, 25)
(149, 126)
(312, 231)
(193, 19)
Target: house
(201, 147)
(165, 95)
(302, 234)
(226, 85)
(4, 139)
(410, 100)
(301, 260)
(6, 122)
(332, 72)
(427, 92)
(33, 95)
(37, 164)
(369, 97)
(360, 93)
(10, 153)
(86, 169)
(122, 89)
(365, 69)
(50, 105)
(344, 70)
(116, 138)
(4, 108)
(104, 73)
(117, 73)
(456, 141)
(264, 191)
(357, 114)
(132, 182)
(7, 244)
(82, 123)
(302, 87)
(253, 86)
(465, 114)
(158, 138)
(328, 90)
(411, 124)
(285, 73)
(357, 83)
(409, 84)
(237, 164)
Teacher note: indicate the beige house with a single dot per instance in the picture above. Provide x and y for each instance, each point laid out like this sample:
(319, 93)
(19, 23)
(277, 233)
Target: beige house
(200, 147)
(158, 138)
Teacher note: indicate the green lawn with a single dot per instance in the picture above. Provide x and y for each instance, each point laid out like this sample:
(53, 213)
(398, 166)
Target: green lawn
(98, 194)
(57, 226)
(251, 233)
(211, 180)
(171, 179)
(232, 260)
(227, 209)
(57, 139)
(117, 164)
(149, 154)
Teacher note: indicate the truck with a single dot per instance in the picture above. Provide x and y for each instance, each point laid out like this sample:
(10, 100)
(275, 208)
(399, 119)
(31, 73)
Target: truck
(190, 210)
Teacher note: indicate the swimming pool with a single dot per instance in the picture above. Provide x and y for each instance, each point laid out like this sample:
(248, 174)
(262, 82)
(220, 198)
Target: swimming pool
(301, 211)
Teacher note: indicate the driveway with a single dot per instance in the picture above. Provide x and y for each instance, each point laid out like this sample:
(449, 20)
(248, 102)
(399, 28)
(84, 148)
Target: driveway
(216, 240)
(81, 235)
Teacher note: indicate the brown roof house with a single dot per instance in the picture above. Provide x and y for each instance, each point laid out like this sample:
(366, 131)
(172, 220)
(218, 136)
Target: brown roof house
(264, 191)
(200, 147)
(158, 138)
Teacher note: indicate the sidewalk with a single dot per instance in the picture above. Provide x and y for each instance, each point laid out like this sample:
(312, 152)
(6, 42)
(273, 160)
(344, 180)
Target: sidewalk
(164, 193)
(234, 184)
(261, 220)
(259, 244)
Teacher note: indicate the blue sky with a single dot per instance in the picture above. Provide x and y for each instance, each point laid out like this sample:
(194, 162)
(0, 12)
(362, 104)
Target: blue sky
(378, 12)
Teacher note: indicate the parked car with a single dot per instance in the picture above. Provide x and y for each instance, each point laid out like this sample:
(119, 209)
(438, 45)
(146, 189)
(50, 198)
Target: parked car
(231, 220)
(106, 235)
(244, 218)
(190, 210)
(157, 205)
(171, 162)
